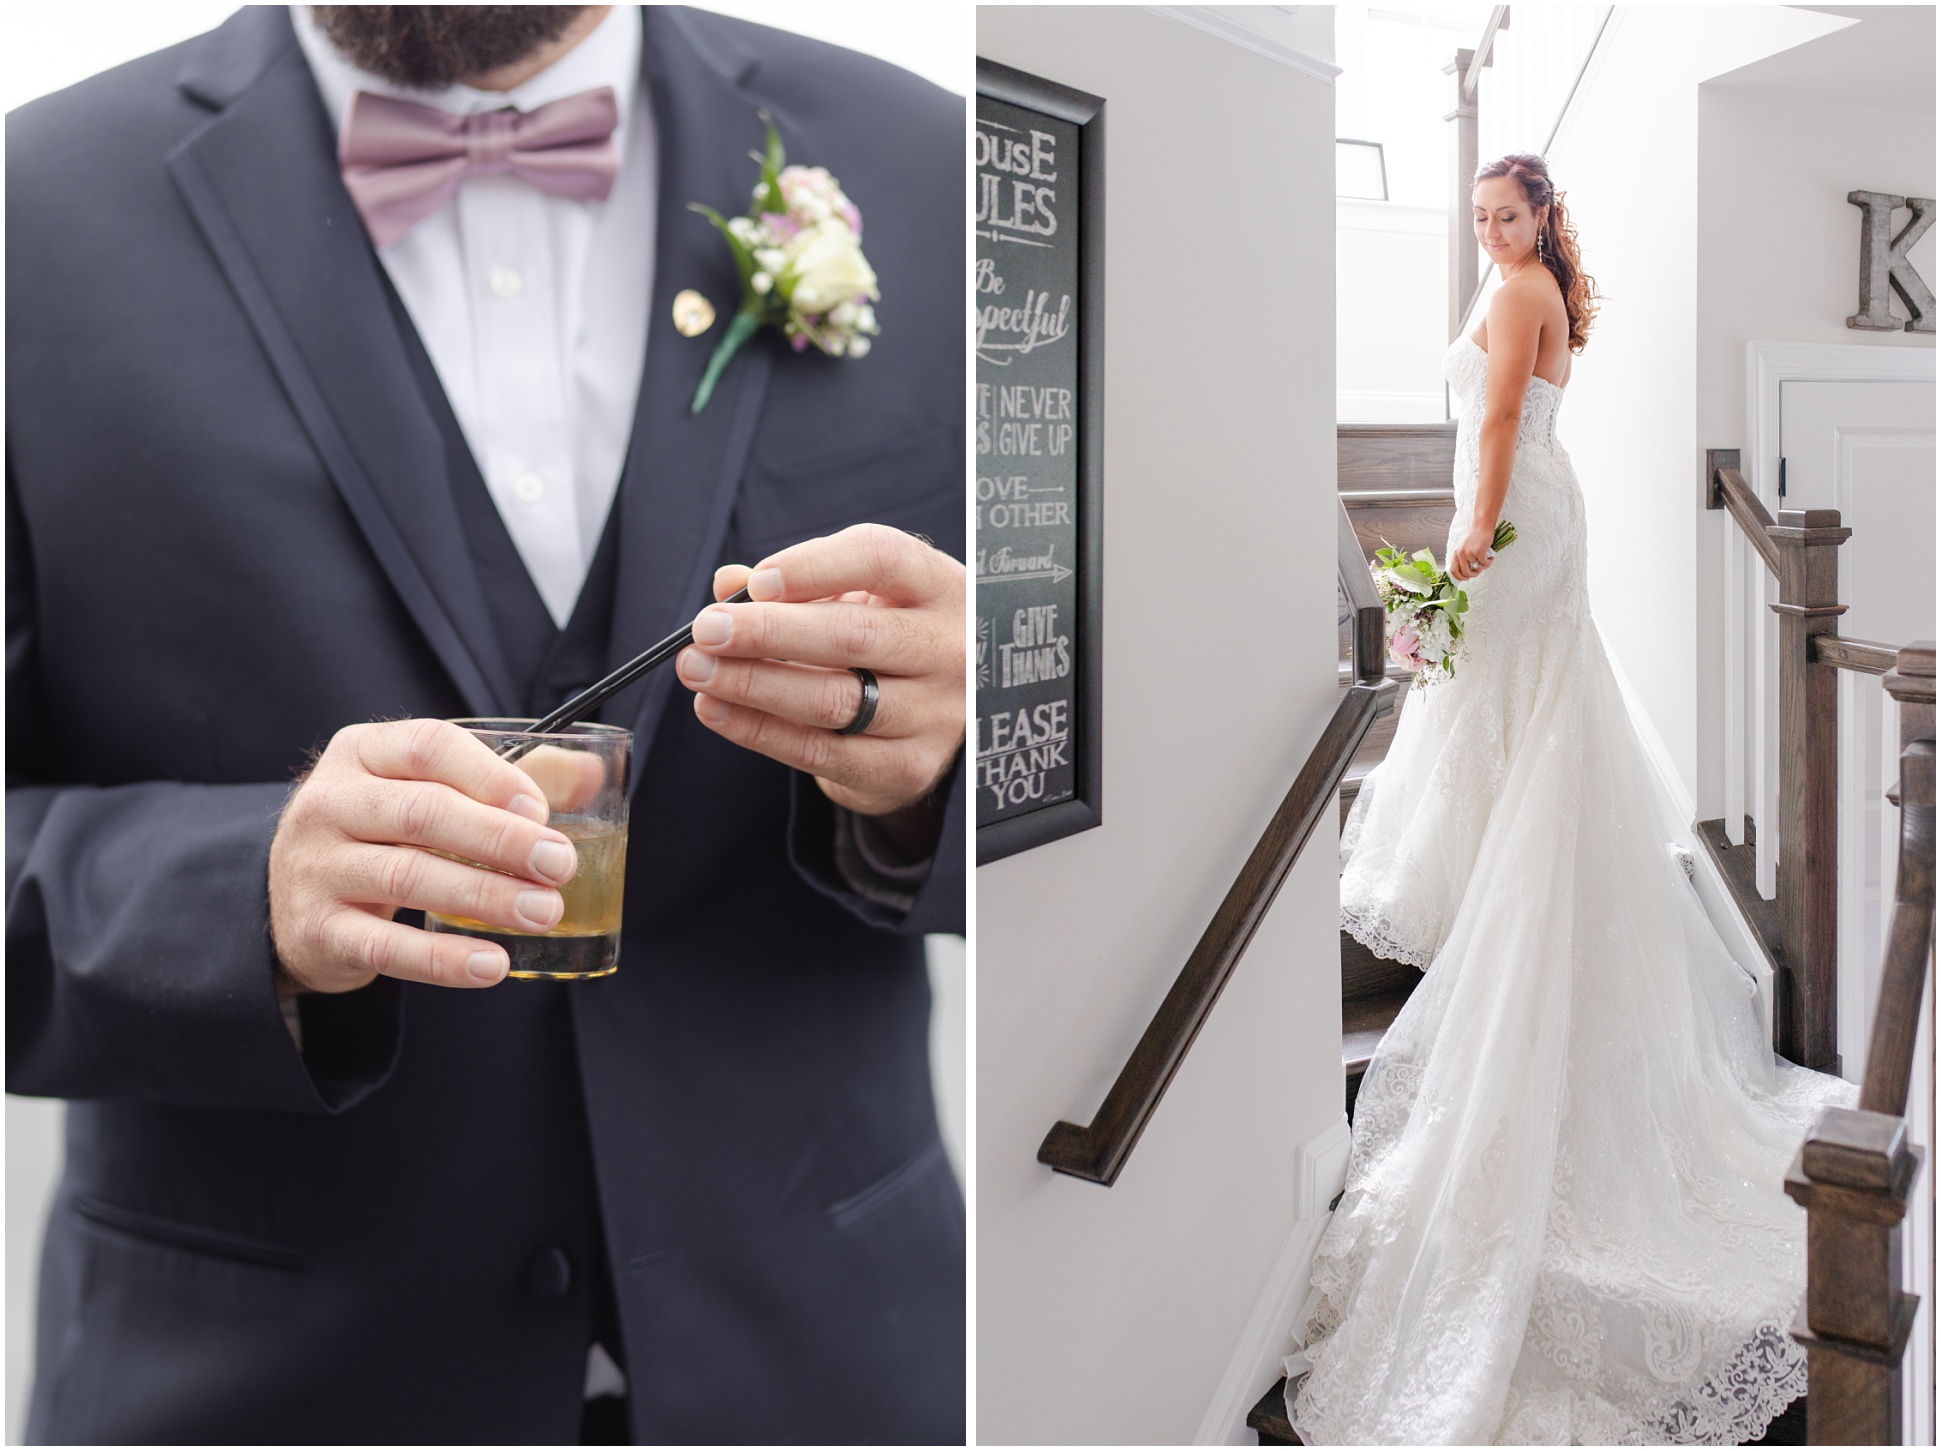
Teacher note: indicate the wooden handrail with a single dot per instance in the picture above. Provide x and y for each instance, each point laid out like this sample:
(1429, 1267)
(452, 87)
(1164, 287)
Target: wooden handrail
(1801, 549)
(1098, 1151)
(1868, 657)
(1728, 490)
(1855, 1173)
(1499, 20)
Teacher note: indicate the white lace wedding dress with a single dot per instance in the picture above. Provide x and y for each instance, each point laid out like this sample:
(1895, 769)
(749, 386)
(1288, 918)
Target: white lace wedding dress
(1564, 1220)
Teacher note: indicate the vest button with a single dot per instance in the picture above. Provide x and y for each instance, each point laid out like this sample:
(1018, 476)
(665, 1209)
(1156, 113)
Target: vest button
(549, 1274)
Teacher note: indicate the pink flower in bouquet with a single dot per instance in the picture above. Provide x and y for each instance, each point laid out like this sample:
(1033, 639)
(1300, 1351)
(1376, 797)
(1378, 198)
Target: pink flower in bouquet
(1406, 648)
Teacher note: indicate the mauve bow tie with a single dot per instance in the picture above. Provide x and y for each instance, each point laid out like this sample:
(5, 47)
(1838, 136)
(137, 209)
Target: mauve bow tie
(402, 161)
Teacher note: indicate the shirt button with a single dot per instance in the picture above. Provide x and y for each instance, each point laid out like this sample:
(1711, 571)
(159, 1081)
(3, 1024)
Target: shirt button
(506, 282)
(549, 1274)
(529, 488)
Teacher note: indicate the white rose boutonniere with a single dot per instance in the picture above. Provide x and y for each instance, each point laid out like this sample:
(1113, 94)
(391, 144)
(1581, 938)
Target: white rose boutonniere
(799, 251)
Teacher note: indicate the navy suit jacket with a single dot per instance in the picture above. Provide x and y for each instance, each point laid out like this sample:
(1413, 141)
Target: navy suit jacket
(229, 533)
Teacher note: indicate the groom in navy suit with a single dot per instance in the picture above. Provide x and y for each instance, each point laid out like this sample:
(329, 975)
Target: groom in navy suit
(267, 523)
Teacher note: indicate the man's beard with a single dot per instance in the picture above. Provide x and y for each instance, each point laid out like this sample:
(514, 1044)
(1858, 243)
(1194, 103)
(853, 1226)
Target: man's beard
(429, 47)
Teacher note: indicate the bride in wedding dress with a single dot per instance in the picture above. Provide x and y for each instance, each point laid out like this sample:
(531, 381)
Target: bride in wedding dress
(1564, 1220)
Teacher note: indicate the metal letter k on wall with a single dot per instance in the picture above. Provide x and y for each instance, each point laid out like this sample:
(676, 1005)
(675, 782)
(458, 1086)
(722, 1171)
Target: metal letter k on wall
(1884, 263)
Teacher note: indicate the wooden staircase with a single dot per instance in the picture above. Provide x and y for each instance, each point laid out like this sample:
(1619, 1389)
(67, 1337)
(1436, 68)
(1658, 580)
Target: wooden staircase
(1395, 482)
(1268, 1421)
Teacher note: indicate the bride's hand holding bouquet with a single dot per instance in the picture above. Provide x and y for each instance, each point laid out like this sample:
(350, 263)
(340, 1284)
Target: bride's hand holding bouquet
(1424, 608)
(1477, 550)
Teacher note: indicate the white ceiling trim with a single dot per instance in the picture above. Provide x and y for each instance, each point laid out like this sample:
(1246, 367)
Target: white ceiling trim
(1203, 18)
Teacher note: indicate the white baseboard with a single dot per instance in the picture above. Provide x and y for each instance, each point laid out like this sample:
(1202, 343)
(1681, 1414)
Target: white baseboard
(1321, 1169)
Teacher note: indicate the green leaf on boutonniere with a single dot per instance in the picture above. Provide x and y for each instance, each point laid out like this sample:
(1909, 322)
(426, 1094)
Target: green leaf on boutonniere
(739, 331)
(744, 258)
(772, 160)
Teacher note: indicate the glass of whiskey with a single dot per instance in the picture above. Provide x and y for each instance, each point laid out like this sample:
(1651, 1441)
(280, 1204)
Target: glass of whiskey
(582, 768)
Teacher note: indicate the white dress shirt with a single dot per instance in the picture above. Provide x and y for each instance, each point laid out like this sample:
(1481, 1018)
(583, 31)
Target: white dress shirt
(532, 307)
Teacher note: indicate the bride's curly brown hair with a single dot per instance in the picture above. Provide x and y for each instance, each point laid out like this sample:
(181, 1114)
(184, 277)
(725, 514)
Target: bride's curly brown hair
(1557, 242)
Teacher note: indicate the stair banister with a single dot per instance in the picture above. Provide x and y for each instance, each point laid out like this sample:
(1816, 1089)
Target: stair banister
(1801, 549)
(1890, 1051)
(1098, 1151)
(1855, 1173)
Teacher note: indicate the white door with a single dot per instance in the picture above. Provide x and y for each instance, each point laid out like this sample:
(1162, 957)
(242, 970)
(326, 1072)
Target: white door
(1867, 449)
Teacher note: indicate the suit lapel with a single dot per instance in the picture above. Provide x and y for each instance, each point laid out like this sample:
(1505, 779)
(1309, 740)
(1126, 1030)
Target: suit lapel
(262, 183)
(261, 180)
(678, 488)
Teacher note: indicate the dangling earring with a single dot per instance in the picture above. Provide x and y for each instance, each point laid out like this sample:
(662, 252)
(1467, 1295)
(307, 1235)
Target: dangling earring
(1542, 254)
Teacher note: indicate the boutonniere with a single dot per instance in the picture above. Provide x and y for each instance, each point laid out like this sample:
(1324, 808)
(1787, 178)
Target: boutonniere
(799, 251)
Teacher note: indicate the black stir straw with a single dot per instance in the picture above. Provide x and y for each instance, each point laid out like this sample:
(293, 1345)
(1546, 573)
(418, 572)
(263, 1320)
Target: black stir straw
(599, 691)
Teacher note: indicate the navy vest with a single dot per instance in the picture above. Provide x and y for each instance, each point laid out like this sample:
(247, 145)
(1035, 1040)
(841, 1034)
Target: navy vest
(548, 664)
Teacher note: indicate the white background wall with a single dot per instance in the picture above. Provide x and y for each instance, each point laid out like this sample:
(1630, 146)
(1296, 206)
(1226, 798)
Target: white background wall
(1109, 1314)
(1628, 156)
(1392, 258)
(1779, 252)
(48, 47)
(1392, 284)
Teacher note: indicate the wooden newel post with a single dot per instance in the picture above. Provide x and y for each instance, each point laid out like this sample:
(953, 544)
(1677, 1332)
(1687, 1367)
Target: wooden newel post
(1808, 543)
(1854, 1174)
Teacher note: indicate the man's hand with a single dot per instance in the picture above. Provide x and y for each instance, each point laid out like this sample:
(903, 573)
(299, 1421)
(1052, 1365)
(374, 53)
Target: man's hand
(775, 674)
(356, 843)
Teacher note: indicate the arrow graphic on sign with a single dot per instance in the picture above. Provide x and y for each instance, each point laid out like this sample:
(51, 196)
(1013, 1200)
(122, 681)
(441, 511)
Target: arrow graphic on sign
(1054, 574)
(1001, 564)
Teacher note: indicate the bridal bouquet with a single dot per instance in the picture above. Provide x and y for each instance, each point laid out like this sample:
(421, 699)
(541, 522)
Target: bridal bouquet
(1424, 608)
(799, 251)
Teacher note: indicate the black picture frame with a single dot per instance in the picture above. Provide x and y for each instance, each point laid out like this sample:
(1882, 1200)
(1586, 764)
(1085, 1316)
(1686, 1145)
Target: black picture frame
(1083, 810)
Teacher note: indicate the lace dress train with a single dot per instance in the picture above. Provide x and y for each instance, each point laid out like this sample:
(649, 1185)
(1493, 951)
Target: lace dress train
(1563, 1221)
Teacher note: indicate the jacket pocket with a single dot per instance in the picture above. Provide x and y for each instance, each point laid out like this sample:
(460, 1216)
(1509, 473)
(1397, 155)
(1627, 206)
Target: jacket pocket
(174, 1234)
(890, 482)
(861, 1207)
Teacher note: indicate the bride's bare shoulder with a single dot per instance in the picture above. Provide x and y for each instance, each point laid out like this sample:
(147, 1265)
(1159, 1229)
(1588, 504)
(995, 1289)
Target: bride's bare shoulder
(1516, 309)
(1533, 292)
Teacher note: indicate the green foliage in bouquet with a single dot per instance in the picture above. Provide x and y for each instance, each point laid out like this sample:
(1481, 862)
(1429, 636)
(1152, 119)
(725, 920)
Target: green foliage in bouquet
(1424, 607)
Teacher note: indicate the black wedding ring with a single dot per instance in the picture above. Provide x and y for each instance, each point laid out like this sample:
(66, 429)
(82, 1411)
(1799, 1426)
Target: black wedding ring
(866, 712)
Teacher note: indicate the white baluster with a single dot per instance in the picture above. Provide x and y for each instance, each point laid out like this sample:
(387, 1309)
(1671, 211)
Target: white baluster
(1734, 678)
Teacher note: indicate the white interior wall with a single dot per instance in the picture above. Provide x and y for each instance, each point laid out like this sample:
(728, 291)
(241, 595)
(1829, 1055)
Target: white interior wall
(1628, 155)
(1779, 252)
(1110, 1314)
(1626, 160)
(1392, 279)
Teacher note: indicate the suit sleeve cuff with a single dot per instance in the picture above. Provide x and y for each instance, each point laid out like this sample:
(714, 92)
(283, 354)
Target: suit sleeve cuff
(842, 856)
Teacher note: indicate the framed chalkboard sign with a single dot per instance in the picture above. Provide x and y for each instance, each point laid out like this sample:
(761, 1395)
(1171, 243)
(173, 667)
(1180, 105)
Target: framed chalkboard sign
(1040, 297)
